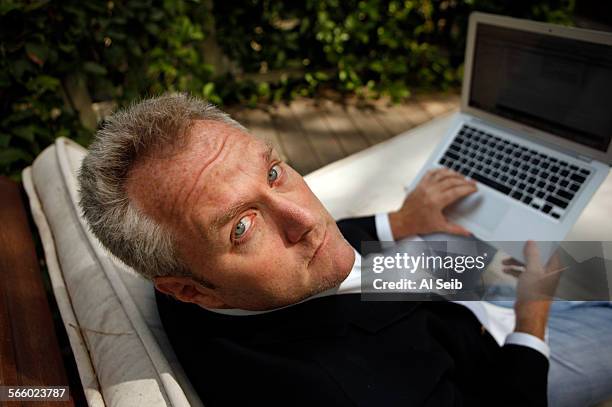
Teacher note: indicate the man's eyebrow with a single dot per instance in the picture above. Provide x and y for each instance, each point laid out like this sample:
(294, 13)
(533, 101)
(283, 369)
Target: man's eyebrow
(234, 210)
(227, 215)
(267, 154)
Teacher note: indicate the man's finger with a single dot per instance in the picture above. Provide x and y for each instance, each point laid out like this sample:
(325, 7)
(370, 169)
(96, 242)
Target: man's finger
(451, 182)
(445, 173)
(455, 229)
(511, 261)
(454, 194)
(532, 255)
(554, 263)
(512, 271)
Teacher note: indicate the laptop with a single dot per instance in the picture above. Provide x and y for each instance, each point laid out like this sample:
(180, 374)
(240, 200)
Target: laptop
(534, 129)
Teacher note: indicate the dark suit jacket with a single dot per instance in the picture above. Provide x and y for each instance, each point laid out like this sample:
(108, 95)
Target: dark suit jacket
(341, 351)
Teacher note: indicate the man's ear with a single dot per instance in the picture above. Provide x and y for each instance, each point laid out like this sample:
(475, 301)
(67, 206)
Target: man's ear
(186, 289)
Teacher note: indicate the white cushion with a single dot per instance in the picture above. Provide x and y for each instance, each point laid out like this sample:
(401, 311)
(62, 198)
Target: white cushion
(123, 356)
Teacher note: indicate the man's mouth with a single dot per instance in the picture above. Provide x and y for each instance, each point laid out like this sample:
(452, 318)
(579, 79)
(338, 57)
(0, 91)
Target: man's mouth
(319, 249)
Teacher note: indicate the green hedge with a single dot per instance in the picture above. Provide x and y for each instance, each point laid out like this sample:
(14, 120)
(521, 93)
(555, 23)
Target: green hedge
(57, 54)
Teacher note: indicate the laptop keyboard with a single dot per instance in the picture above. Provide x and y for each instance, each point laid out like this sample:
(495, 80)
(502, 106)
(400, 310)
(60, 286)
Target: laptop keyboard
(526, 175)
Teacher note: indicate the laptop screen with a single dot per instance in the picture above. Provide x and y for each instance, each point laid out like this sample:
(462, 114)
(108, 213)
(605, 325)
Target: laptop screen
(558, 85)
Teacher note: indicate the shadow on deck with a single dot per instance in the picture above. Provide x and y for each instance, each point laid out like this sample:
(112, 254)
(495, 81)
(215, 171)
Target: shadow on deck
(311, 133)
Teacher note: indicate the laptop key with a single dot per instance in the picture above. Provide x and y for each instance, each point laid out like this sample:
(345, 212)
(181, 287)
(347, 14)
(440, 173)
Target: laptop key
(585, 172)
(517, 195)
(574, 187)
(546, 208)
(527, 200)
(491, 183)
(556, 201)
(452, 155)
(565, 194)
(578, 178)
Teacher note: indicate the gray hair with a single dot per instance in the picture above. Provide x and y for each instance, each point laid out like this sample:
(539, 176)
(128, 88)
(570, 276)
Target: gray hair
(154, 124)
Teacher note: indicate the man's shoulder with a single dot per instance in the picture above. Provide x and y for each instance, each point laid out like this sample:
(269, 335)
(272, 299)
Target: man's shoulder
(318, 317)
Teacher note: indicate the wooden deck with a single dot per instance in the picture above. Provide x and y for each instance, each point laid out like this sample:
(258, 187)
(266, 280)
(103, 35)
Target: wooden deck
(310, 133)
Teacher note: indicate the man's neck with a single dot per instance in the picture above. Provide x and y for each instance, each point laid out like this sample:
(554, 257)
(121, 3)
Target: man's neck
(349, 285)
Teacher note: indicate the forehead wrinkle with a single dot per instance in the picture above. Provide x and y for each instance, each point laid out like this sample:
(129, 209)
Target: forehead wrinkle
(234, 210)
(196, 180)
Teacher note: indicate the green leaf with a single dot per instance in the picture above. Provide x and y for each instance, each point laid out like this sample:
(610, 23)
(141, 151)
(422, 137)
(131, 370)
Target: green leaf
(25, 132)
(43, 83)
(5, 140)
(12, 155)
(94, 68)
(8, 6)
(208, 89)
(37, 52)
(35, 5)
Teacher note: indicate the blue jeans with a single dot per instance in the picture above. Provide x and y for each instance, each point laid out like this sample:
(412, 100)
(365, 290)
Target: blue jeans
(580, 340)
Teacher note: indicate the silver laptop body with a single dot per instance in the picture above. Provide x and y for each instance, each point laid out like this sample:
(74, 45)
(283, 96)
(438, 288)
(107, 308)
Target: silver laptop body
(534, 129)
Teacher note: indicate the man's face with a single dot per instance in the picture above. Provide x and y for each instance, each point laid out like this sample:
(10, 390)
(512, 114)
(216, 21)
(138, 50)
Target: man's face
(245, 221)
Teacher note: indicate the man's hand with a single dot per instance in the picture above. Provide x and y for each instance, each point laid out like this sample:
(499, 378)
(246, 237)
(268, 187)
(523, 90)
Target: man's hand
(422, 210)
(535, 289)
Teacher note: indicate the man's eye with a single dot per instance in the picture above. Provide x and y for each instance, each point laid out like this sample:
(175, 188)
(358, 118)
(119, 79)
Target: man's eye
(242, 227)
(274, 173)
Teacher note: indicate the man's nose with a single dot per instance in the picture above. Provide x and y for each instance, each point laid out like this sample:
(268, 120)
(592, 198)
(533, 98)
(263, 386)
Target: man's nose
(295, 220)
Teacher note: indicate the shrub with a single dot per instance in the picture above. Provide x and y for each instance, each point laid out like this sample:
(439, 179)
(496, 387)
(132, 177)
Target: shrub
(58, 56)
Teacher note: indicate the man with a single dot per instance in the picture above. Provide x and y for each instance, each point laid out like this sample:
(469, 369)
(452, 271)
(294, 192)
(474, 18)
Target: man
(250, 273)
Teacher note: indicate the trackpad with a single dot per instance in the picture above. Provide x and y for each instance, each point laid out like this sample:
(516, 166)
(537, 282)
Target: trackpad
(482, 209)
